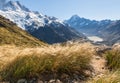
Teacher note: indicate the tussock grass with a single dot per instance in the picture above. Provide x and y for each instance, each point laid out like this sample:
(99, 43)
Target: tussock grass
(53, 60)
(113, 77)
(113, 59)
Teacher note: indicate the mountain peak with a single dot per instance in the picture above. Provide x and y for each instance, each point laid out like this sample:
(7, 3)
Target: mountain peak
(75, 17)
(14, 5)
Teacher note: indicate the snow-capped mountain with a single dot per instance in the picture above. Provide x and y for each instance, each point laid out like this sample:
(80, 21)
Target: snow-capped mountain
(108, 30)
(87, 26)
(48, 29)
(11, 5)
(21, 15)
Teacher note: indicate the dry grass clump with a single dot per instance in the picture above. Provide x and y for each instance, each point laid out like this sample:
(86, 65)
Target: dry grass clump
(54, 60)
(113, 59)
(113, 77)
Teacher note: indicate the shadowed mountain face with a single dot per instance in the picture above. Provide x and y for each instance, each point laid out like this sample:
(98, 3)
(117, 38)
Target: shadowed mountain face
(12, 35)
(111, 34)
(56, 33)
(108, 30)
(48, 29)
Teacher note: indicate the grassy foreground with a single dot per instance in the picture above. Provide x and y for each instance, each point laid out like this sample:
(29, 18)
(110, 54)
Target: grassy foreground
(63, 62)
(45, 63)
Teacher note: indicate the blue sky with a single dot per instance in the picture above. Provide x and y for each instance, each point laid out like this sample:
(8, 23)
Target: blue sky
(64, 9)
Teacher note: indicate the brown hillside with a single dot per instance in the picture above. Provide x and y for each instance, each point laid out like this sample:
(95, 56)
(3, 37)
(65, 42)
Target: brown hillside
(12, 35)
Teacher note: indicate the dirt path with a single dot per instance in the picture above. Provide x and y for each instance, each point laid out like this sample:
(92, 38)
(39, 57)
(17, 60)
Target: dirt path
(98, 63)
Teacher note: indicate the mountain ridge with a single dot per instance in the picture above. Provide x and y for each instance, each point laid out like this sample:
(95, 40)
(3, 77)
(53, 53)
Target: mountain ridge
(34, 22)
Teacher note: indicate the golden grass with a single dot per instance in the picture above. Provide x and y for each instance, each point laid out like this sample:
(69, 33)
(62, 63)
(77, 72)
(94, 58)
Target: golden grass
(113, 77)
(18, 62)
(113, 59)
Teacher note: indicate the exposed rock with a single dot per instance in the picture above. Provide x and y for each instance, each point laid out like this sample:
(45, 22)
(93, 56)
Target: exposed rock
(39, 81)
(58, 81)
(102, 49)
(55, 81)
(52, 81)
(5, 82)
(22, 81)
(33, 80)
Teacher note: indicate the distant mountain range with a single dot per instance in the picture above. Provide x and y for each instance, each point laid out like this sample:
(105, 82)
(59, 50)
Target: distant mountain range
(87, 26)
(52, 30)
(107, 29)
(43, 27)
